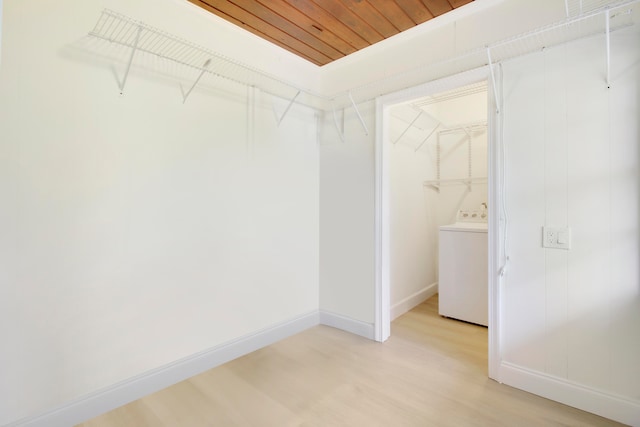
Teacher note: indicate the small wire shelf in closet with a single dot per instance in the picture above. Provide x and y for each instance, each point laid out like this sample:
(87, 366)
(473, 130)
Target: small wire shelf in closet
(468, 130)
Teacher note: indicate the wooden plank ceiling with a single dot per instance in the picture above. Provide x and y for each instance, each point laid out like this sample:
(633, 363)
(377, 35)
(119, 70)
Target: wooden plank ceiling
(322, 31)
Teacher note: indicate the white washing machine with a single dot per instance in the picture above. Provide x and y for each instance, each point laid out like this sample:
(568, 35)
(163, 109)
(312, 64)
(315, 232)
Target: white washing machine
(463, 269)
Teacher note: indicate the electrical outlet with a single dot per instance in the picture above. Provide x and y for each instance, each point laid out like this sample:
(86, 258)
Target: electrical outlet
(557, 238)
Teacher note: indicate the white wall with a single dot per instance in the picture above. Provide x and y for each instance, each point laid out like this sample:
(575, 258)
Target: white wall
(346, 215)
(413, 211)
(347, 171)
(573, 161)
(1, 32)
(137, 230)
(417, 212)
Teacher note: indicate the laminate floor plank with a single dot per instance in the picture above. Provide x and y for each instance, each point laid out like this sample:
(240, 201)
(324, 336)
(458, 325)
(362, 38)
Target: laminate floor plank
(431, 372)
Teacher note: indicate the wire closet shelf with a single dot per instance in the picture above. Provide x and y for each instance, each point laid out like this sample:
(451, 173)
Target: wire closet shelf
(138, 36)
(596, 18)
(585, 18)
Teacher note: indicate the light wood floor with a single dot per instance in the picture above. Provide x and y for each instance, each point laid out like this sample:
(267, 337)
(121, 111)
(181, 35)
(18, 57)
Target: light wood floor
(431, 372)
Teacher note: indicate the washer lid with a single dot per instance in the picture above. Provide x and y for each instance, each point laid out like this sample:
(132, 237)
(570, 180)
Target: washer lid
(474, 227)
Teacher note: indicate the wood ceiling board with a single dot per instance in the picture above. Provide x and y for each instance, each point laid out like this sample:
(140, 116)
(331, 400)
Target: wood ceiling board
(458, 3)
(310, 25)
(273, 19)
(237, 15)
(322, 31)
(393, 13)
(329, 22)
(351, 20)
(416, 10)
(371, 15)
(438, 7)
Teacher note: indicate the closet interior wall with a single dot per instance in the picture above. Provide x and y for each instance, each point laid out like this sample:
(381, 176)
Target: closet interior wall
(435, 141)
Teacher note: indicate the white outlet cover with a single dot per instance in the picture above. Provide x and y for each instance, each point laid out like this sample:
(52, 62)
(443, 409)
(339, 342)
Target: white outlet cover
(556, 237)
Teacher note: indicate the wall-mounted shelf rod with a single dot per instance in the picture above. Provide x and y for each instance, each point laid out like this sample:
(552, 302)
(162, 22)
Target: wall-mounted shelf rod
(335, 122)
(470, 128)
(206, 65)
(133, 52)
(408, 127)
(428, 136)
(364, 125)
(435, 184)
(286, 110)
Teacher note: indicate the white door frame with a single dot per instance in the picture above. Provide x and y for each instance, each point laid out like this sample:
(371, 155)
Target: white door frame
(382, 223)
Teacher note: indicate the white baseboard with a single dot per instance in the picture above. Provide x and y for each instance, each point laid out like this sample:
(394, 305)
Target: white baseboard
(400, 308)
(617, 408)
(121, 393)
(347, 324)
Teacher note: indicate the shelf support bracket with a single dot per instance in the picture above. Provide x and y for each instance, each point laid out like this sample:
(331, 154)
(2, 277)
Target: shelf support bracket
(428, 136)
(366, 131)
(493, 80)
(286, 110)
(133, 52)
(566, 7)
(438, 156)
(433, 185)
(469, 157)
(407, 129)
(607, 16)
(335, 122)
(204, 70)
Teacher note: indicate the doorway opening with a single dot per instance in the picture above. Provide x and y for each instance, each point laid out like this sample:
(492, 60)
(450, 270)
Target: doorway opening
(435, 193)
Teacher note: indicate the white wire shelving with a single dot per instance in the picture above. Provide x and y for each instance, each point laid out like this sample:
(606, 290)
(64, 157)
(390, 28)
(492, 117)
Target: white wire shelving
(584, 18)
(578, 7)
(437, 184)
(139, 37)
(601, 18)
(469, 130)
